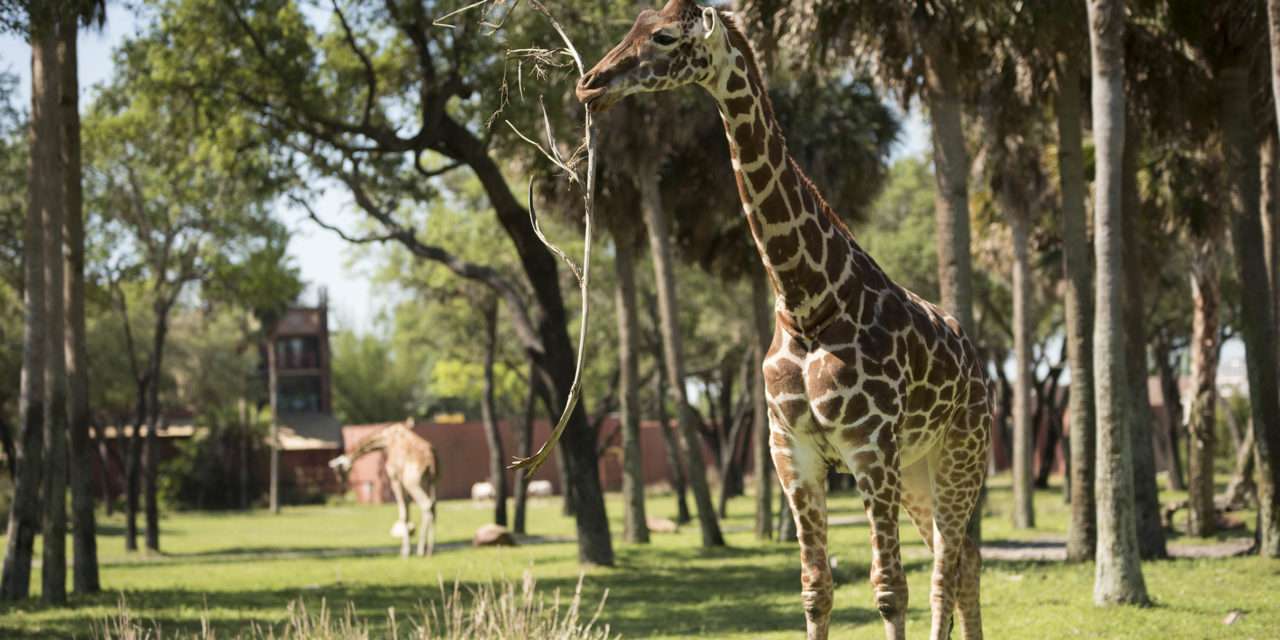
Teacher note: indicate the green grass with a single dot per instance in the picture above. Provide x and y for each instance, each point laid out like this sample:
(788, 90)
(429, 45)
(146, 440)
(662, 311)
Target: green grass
(236, 570)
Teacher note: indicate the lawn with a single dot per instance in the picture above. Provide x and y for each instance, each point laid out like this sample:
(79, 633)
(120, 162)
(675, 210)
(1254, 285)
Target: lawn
(235, 570)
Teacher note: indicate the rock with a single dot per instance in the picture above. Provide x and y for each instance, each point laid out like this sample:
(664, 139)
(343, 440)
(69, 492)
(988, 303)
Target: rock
(493, 535)
(1232, 618)
(661, 525)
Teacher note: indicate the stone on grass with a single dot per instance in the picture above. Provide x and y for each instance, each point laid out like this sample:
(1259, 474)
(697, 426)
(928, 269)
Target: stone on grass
(493, 535)
(662, 525)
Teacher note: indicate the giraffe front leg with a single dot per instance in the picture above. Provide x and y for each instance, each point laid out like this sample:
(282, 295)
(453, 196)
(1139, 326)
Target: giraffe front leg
(402, 524)
(959, 468)
(870, 450)
(802, 473)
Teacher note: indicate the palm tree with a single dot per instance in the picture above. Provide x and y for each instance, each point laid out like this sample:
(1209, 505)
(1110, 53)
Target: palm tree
(44, 191)
(1082, 532)
(1119, 574)
(84, 528)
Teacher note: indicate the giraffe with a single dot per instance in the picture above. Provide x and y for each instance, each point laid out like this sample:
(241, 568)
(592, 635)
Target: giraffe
(413, 468)
(862, 374)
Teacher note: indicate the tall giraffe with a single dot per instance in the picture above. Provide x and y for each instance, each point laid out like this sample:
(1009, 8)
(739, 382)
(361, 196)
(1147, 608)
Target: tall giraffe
(862, 373)
(412, 467)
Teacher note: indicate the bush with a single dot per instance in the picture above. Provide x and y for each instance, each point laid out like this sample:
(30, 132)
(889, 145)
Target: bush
(206, 471)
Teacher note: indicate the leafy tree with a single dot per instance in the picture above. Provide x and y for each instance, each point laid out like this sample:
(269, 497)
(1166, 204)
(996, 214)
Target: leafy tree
(371, 383)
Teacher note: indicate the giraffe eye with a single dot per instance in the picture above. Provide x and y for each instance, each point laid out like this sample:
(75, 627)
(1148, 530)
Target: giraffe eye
(664, 39)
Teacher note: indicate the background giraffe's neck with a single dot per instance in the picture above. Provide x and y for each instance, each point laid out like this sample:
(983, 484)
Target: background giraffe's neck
(806, 250)
(372, 442)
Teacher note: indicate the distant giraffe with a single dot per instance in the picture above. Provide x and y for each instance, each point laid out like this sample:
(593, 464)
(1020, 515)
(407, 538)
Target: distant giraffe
(862, 374)
(413, 468)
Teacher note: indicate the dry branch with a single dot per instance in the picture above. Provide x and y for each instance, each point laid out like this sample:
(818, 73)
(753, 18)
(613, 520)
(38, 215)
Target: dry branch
(532, 463)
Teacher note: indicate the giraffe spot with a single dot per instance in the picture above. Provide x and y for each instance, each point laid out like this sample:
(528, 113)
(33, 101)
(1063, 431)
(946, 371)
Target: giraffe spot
(740, 62)
(840, 331)
(775, 149)
(739, 106)
(736, 83)
(781, 248)
(830, 408)
(774, 207)
(749, 147)
(881, 394)
(761, 176)
(875, 344)
(856, 408)
(812, 236)
(921, 399)
(893, 313)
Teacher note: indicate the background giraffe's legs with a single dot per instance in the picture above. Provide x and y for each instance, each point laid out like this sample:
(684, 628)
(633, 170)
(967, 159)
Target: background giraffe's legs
(958, 467)
(426, 507)
(802, 473)
(402, 525)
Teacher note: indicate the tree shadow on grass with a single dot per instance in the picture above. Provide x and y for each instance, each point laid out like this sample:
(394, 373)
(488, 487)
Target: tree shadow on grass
(672, 591)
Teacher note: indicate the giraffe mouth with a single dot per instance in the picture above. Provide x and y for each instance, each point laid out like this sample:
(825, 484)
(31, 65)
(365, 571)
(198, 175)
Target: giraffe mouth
(599, 99)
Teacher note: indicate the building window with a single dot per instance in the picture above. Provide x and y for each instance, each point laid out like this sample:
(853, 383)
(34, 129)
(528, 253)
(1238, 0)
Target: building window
(297, 394)
(299, 352)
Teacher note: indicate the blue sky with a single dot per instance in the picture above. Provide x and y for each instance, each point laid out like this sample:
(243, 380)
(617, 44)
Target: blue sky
(325, 260)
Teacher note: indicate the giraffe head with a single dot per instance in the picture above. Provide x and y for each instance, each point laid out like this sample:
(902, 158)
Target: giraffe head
(664, 50)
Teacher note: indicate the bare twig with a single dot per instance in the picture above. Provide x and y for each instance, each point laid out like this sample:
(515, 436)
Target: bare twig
(532, 463)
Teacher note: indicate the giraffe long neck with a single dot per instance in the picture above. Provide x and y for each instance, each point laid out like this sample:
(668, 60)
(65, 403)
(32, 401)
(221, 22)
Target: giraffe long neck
(373, 442)
(805, 249)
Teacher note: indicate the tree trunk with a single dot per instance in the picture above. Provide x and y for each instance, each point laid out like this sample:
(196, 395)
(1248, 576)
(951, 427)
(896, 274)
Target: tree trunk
(1082, 532)
(151, 446)
(524, 442)
(133, 467)
(1173, 415)
(1241, 489)
(1024, 516)
(762, 462)
(635, 528)
(84, 541)
(43, 189)
(553, 355)
(497, 459)
(675, 461)
(1151, 539)
(273, 381)
(1270, 211)
(1240, 150)
(1118, 578)
(1202, 422)
(54, 533)
(664, 278)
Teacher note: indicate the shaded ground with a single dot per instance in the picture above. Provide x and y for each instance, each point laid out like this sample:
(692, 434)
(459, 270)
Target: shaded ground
(242, 569)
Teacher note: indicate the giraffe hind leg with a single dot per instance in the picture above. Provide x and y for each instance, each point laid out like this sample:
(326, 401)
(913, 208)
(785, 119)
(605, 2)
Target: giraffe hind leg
(958, 468)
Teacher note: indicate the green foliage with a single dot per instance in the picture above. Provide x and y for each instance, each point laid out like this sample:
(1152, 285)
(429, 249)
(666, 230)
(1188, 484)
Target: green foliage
(206, 471)
(373, 384)
(900, 228)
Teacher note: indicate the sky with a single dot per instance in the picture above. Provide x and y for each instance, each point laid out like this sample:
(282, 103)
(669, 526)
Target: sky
(324, 259)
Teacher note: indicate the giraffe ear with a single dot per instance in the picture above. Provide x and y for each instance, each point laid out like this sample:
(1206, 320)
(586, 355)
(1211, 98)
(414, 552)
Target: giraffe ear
(709, 20)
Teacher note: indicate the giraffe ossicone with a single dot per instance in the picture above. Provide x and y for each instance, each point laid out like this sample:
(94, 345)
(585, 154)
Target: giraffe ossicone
(862, 374)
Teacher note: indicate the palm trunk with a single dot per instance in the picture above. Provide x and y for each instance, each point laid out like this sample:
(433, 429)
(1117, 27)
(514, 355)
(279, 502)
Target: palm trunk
(524, 442)
(1151, 539)
(664, 277)
(497, 459)
(84, 542)
(1118, 578)
(54, 533)
(1023, 428)
(1201, 424)
(635, 528)
(762, 463)
(1082, 532)
(1270, 210)
(43, 189)
(1240, 150)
